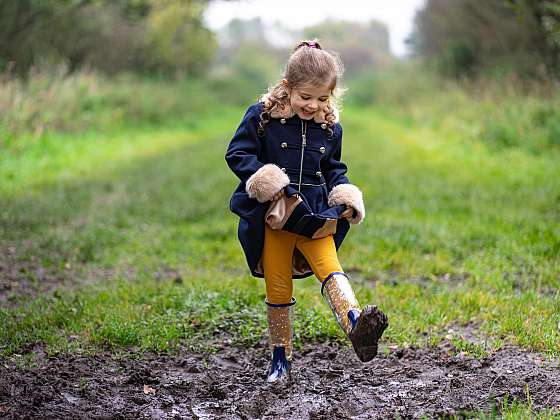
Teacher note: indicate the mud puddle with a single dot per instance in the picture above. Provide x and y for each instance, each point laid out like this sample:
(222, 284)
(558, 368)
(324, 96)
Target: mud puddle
(328, 382)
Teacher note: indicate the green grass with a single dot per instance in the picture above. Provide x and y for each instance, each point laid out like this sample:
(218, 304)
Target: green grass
(456, 233)
(512, 409)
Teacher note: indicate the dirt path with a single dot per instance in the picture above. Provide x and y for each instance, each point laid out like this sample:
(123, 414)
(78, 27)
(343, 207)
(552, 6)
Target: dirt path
(327, 382)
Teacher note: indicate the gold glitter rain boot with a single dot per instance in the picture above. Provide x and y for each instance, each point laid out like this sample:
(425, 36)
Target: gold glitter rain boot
(362, 327)
(280, 328)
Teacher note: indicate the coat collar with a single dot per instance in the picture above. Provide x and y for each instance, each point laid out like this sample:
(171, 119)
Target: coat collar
(285, 111)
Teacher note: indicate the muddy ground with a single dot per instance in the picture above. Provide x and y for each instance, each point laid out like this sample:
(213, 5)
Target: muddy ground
(328, 382)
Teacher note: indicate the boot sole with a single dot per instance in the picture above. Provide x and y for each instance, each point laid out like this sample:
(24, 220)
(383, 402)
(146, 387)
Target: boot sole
(367, 332)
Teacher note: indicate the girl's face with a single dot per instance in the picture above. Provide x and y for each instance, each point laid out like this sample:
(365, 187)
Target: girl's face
(306, 100)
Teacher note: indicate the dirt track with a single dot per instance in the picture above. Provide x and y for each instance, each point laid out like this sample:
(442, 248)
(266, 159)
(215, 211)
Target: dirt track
(327, 382)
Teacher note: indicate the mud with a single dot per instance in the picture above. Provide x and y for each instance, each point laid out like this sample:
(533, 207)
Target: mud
(26, 276)
(327, 382)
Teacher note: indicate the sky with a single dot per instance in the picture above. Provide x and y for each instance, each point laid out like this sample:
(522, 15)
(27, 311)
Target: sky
(296, 14)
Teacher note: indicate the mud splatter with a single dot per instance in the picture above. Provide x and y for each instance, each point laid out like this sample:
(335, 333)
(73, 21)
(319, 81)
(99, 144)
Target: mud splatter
(327, 382)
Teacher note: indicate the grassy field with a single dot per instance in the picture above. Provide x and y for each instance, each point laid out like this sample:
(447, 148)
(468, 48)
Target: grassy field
(137, 219)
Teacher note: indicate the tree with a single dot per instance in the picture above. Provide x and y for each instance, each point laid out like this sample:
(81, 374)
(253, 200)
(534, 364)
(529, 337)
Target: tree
(29, 29)
(180, 44)
(464, 37)
(163, 36)
(546, 15)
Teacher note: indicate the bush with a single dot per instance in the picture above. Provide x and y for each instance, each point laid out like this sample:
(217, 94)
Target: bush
(56, 100)
(501, 112)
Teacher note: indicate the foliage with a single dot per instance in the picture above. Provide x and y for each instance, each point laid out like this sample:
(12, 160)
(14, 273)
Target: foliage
(468, 37)
(56, 99)
(547, 15)
(59, 101)
(507, 113)
(135, 35)
(178, 39)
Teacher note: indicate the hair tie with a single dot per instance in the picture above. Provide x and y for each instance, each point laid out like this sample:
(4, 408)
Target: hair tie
(312, 44)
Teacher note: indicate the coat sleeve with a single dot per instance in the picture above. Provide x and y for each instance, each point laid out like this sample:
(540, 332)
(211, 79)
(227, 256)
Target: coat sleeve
(334, 169)
(242, 155)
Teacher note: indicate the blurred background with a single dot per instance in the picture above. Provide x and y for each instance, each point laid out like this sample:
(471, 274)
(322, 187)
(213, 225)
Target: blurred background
(70, 65)
(115, 116)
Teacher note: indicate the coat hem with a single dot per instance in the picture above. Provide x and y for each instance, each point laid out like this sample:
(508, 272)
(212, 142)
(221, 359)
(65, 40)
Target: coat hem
(294, 276)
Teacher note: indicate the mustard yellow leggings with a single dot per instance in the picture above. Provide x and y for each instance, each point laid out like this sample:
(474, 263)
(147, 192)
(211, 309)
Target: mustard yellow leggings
(279, 247)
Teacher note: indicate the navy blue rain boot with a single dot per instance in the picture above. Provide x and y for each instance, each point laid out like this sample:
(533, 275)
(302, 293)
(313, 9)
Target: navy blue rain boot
(280, 366)
(363, 327)
(280, 328)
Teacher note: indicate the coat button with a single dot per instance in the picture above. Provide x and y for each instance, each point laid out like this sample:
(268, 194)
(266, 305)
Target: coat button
(283, 121)
(322, 149)
(318, 173)
(284, 145)
(283, 169)
(323, 126)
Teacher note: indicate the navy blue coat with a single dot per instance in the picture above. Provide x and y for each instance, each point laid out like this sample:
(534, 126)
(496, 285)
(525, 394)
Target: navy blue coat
(282, 144)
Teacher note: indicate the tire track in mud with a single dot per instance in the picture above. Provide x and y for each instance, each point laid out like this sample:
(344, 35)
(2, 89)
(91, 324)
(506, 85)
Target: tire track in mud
(327, 382)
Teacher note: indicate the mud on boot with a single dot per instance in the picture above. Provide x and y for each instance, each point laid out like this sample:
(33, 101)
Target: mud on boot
(362, 327)
(367, 328)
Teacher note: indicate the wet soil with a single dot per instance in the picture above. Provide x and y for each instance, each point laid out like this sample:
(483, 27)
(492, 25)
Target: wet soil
(26, 276)
(328, 382)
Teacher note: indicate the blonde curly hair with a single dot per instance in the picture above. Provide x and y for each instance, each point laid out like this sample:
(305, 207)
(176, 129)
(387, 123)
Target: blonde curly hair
(309, 64)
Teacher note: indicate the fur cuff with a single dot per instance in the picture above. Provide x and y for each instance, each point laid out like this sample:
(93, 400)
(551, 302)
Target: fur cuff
(351, 196)
(266, 182)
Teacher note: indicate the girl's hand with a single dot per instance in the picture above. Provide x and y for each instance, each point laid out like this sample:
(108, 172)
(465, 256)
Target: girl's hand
(278, 195)
(348, 212)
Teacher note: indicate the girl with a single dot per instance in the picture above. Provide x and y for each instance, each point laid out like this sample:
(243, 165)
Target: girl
(295, 202)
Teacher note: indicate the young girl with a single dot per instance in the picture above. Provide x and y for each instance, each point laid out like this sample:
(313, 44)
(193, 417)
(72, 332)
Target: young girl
(295, 202)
